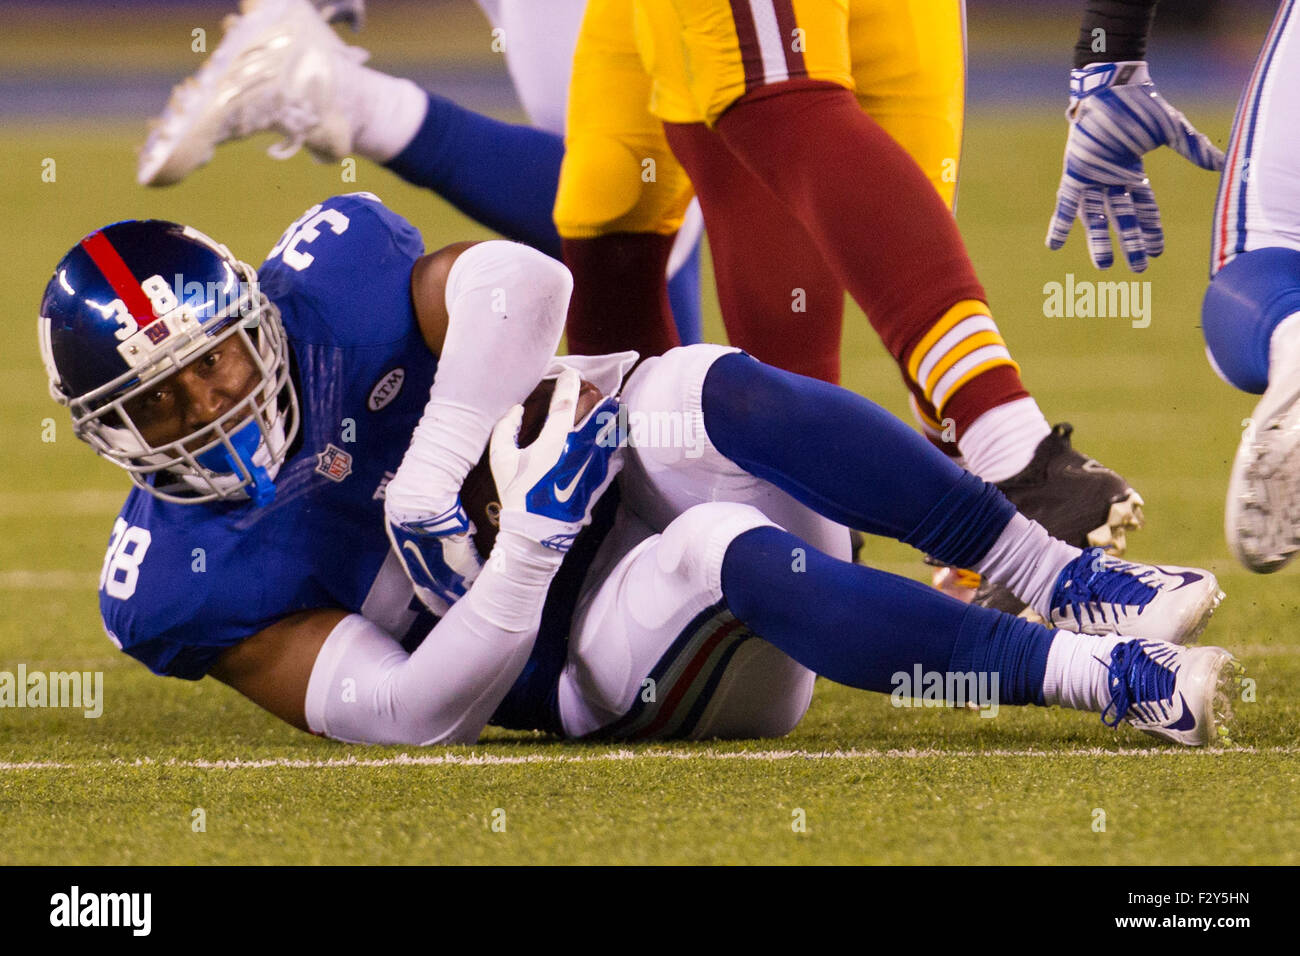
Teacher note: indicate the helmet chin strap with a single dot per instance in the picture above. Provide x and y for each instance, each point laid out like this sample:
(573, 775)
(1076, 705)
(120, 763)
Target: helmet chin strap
(246, 443)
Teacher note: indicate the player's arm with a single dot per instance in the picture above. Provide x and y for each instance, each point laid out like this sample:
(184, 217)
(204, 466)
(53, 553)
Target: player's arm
(1117, 116)
(493, 312)
(272, 667)
(429, 292)
(342, 676)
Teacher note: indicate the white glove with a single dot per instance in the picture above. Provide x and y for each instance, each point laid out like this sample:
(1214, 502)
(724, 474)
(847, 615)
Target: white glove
(1115, 117)
(548, 489)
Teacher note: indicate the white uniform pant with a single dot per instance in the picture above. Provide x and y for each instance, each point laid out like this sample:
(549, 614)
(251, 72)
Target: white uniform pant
(653, 652)
(540, 37)
(1259, 192)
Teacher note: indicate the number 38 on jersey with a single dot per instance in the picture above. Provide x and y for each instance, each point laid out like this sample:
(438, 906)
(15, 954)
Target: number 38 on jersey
(126, 549)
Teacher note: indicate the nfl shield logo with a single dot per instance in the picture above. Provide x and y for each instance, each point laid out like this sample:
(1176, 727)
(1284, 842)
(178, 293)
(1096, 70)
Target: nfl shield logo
(334, 463)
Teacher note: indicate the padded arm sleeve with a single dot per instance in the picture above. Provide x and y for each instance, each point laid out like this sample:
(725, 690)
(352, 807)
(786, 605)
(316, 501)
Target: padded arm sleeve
(506, 305)
(365, 689)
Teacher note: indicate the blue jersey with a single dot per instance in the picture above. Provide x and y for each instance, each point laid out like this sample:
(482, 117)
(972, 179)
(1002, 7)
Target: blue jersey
(183, 583)
(190, 581)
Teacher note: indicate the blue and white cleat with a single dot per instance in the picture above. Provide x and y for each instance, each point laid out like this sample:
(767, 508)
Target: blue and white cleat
(1099, 594)
(1181, 694)
(275, 70)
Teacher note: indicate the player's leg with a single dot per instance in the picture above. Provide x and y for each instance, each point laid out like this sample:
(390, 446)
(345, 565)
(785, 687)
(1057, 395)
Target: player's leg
(909, 75)
(779, 300)
(908, 67)
(789, 117)
(875, 631)
(712, 628)
(708, 423)
(539, 41)
(1251, 312)
(904, 263)
(654, 653)
(280, 67)
(622, 196)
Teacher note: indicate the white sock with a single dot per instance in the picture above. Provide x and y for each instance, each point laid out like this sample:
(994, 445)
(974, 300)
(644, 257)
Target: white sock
(1077, 674)
(1284, 345)
(1027, 561)
(1001, 442)
(386, 112)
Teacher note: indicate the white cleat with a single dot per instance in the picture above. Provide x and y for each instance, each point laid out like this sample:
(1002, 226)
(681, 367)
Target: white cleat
(1099, 594)
(274, 70)
(1262, 516)
(1180, 694)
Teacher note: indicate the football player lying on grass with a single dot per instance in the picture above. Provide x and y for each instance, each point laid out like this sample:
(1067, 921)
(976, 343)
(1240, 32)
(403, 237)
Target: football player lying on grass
(280, 67)
(300, 435)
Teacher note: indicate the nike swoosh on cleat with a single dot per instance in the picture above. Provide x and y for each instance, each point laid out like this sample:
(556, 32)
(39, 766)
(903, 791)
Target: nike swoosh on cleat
(1189, 577)
(1188, 720)
(564, 494)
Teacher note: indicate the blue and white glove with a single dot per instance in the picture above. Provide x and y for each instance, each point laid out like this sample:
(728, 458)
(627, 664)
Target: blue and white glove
(548, 489)
(1116, 116)
(438, 554)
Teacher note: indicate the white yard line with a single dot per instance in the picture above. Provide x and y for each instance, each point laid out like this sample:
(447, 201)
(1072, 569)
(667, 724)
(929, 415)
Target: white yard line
(47, 581)
(615, 756)
(64, 504)
(1246, 651)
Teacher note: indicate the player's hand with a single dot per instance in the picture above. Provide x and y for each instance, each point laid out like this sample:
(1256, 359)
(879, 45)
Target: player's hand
(438, 554)
(549, 488)
(1116, 116)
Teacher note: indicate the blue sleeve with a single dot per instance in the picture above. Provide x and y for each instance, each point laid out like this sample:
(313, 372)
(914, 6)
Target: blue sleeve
(341, 274)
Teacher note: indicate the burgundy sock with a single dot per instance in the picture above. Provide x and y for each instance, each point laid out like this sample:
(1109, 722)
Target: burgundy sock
(620, 299)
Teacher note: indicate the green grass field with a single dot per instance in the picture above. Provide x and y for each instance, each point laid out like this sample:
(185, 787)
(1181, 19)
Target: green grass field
(876, 784)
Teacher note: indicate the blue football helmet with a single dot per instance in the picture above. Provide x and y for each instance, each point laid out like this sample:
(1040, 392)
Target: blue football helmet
(132, 304)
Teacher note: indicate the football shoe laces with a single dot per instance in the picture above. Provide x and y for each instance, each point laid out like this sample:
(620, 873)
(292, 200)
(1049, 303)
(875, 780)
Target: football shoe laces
(1099, 594)
(1180, 694)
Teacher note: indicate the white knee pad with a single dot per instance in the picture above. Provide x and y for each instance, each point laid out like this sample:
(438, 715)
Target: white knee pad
(694, 544)
(665, 403)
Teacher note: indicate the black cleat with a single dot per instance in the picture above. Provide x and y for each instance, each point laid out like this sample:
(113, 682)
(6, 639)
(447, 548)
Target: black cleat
(1076, 498)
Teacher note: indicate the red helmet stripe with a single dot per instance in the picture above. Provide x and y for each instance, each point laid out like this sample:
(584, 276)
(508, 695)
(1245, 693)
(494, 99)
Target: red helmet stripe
(119, 276)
